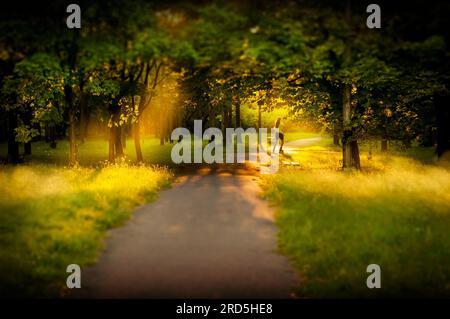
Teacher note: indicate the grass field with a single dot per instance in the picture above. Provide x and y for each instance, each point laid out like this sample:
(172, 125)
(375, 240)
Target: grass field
(394, 213)
(53, 216)
(92, 152)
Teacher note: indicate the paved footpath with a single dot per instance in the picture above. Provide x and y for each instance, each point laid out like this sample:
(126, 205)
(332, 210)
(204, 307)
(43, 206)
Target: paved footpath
(209, 236)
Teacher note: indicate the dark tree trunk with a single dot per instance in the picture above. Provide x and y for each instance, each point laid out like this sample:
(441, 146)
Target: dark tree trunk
(115, 134)
(335, 135)
(13, 146)
(428, 137)
(124, 136)
(238, 119)
(384, 144)
(137, 135)
(162, 124)
(27, 148)
(336, 140)
(347, 132)
(137, 141)
(224, 118)
(112, 138)
(238, 115)
(350, 150)
(442, 105)
(27, 121)
(170, 125)
(211, 118)
(118, 141)
(355, 155)
(224, 121)
(230, 124)
(73, 158)
(84, 118)
(69, 99)
(230, 116)
(51, 136)
(167, 128)
(3, 127)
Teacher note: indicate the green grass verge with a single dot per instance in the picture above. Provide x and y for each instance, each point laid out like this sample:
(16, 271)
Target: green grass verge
(394, 213)
(52, 216)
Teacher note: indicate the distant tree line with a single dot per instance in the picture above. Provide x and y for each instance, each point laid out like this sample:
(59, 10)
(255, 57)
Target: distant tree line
(318, 57)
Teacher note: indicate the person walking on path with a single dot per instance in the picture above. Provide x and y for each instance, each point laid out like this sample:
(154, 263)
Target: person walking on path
(279, 137)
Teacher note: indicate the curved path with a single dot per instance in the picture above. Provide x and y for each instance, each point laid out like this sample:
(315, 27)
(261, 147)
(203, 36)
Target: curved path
(209, 236)
(293, 146)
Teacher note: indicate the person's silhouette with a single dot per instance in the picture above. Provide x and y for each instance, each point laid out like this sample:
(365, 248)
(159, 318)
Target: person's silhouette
(280, 136)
